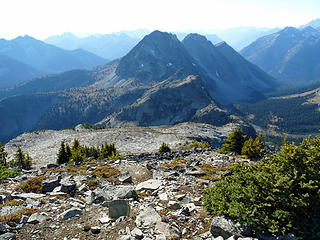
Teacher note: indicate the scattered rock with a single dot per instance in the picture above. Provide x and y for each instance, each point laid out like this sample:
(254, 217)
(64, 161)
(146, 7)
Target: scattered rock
(125, 178)
(71, 213)
(95, 230)
(37, 218)
(137, 233)
(50, 183)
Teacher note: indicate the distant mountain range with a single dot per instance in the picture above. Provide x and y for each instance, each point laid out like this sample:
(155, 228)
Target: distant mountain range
(314, 24)
(24, 58)
(13, 72)
(161, 81)
(290, 55)
(109, 46)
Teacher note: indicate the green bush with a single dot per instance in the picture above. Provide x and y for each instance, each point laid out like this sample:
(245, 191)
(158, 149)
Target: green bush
(21, 160)
(5, 173)
(253, 149)
(196, 144)
(234, 142)
(164, 148)
(78, 153)
(277, 195)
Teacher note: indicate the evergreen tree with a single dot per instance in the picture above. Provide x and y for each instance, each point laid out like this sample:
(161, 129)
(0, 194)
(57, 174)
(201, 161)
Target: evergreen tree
(3, 156)
(164, 148)
(253, 149)
(21, 160)
(62, 154)
(68, 151)
(234, 142)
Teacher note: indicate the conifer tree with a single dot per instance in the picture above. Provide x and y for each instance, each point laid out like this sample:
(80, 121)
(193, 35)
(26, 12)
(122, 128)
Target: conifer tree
(62, 154)
(234, 142)
(3, 156)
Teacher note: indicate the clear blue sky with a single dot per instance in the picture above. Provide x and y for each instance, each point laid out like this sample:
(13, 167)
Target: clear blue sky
(41, 18)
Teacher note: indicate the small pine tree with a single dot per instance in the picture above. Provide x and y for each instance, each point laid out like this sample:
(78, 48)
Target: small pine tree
(253, 149)
(76, 144)
(234, 142)
(21, 160)
(164, 148)
(3, 156)
(62, 154)
(68, 151)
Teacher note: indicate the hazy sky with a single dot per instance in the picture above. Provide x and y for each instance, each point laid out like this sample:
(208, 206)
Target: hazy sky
(41, 18)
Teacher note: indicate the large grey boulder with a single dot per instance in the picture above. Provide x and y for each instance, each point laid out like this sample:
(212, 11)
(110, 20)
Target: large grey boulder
(50, 183)
(148, 218)
(111, 192)
(151, 184)
(118, 208)
(221, 226)
(8, 236)
(68, 185)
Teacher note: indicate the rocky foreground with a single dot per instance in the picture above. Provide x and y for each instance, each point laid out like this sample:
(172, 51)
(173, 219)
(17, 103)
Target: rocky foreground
(143, 196)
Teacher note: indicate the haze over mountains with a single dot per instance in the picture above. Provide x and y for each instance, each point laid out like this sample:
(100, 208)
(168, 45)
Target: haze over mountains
(25, 58)
(290, 55)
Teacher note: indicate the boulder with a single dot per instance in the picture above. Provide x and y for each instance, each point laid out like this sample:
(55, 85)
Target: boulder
(118, 208)
(50, 183)
(168, 231)
(71, 213)
(68, 186)
(24, 196)
(37, 218)
(151, 184)
(148, 218)
(221, 226)
(137, 233)
(8, 236)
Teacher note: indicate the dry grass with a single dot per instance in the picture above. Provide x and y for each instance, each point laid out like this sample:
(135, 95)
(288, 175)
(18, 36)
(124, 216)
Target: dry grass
(177, 162)
(106, 172)
(92, 183)
(14, 218)
(13, 202)
(32, 185)
(212, 172)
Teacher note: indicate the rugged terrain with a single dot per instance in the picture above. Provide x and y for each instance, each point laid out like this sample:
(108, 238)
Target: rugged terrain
(145, 195)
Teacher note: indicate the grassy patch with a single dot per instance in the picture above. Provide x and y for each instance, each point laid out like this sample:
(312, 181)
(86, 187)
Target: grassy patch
(177, 162)
(14, 218)
(106, 172)
(92, 183)
(212, 171)
(11, 203)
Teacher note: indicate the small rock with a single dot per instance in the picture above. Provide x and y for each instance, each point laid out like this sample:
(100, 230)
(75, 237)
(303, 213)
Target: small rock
(50, 183)
(125, 178)
(68, 186)
(137, 233)
(86, 228)
(104, 220)
(95, 230)
(37, 218)
(163, 197)
(168, 230)
(71, 213)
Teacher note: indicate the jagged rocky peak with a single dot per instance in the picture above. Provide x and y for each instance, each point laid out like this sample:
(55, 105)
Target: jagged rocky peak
(156, 57)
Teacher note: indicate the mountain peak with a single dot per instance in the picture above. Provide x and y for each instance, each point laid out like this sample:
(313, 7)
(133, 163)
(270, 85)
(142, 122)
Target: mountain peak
(195, 36)
(157, 56)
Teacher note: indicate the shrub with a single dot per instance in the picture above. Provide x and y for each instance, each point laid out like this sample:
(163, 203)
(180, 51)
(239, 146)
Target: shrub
(277, 195)
(253, 149)
(32, 185)
(234, 142)
(196, 144)
(164, 148)
(6, 173)
(21, 160)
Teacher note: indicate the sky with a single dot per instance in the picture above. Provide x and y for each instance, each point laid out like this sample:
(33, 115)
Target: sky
(43, 18)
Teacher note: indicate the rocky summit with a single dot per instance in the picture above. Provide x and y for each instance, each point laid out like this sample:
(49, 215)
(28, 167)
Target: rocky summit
(144, 195)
